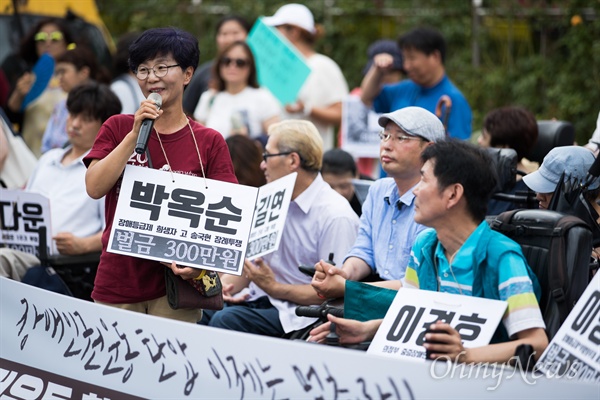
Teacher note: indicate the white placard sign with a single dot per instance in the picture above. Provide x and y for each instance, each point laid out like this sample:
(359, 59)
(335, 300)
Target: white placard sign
(183, 221)
(269, 217)
(575, 349)
(402, 332)
(360, 128)
(21, 216)
(59, 347)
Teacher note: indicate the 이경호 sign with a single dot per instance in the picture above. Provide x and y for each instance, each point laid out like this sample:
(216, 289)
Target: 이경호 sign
(402, 332)
(574, 351)
(269, 217)
(21, 216)
(183, 221)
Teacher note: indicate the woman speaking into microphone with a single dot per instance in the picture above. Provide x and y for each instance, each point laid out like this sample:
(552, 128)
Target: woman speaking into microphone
(163, 60)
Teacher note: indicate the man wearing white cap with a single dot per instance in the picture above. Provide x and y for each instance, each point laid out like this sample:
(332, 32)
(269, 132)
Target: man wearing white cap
(320, 98)
(387, 227)
(574, 161)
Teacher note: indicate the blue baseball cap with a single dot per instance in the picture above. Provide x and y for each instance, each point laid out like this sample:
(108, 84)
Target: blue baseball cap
(574, 161)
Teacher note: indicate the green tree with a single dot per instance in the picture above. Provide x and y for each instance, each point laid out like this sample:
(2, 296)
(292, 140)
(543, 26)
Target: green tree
(543, 55)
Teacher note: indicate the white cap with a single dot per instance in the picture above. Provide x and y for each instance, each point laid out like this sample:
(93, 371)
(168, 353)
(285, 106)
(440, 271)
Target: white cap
(293, 14)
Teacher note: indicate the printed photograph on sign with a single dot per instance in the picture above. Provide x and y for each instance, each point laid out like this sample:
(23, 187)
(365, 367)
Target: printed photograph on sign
(574, 351)
(269, 217)
(22, 214)
(360, 129)
(183, 221)
(402, 332)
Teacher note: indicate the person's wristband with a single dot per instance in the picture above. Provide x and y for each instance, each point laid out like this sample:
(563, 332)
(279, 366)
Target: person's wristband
(199, 277)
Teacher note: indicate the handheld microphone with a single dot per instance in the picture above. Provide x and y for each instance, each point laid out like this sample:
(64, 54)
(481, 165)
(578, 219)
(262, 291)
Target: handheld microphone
(146, 128)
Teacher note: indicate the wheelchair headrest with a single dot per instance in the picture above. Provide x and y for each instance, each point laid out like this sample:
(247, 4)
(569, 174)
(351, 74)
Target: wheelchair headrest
(551, 134)
(505, 161)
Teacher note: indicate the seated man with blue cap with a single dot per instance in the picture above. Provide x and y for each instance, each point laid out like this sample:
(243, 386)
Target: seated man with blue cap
(574, 161)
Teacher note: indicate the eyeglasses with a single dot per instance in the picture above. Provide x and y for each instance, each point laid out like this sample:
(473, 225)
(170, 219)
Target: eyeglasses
(239, 62)
(55, 36)
(159, 70)
(267, 155)
(385, 136)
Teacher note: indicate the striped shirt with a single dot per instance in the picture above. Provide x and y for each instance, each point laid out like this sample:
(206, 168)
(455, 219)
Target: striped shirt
(514, 285)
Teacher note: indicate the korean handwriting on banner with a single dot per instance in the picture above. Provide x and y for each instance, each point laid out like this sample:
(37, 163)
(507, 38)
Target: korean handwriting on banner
(409, 318)
(121, 351)
(254, 378)
(186, 204)
(104, 347)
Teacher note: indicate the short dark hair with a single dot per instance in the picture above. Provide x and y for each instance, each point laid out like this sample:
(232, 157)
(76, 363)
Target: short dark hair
(216, 68)
(182, 45)
(424, 39)
(515, 127)
(243, 22)
(81, 57)
(94, 100)
(338, 162)
(456, 161)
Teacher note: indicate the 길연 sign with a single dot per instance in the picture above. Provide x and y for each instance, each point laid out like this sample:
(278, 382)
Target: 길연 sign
(269, 217)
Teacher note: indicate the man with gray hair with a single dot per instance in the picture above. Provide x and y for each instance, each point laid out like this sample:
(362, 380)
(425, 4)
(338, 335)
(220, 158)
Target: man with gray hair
(387, 227)
(319, 222)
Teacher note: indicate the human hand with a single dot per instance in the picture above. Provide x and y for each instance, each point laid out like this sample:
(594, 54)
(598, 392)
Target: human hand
(148, 110)
(295, 108)
(69, 244)
(350, 331)
(383, 61)
(449, 343)
(24, 83)
(260, 273)
(328, 280)
(229, 295)
(183, 272)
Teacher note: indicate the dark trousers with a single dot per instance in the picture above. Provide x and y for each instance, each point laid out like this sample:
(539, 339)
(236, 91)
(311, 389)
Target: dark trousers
(257, 316)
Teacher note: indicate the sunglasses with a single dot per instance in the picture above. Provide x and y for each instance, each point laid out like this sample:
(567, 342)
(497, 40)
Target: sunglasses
(55, 36)
(239, 62)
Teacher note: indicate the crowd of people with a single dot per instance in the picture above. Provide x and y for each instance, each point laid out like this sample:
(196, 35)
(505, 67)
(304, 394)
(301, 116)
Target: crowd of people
(421, 226)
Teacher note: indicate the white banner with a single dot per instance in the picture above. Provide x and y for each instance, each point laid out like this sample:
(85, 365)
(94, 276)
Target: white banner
(360, 128)
(21, 216)
(269, 217)
(402, 332)
(575, 349)
(175, 217)
(58, 347)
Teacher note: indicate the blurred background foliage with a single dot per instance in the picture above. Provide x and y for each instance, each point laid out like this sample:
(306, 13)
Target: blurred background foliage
(540, 54)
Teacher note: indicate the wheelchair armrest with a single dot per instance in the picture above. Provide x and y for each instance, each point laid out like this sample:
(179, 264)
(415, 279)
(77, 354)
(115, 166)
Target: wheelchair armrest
(59, 260)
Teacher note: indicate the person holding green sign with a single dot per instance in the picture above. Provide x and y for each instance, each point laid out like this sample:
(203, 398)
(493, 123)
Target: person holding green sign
(320, 98)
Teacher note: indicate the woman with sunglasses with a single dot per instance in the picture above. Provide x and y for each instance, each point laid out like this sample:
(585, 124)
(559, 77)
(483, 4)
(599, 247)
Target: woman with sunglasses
(49, 36)
(237, 105)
